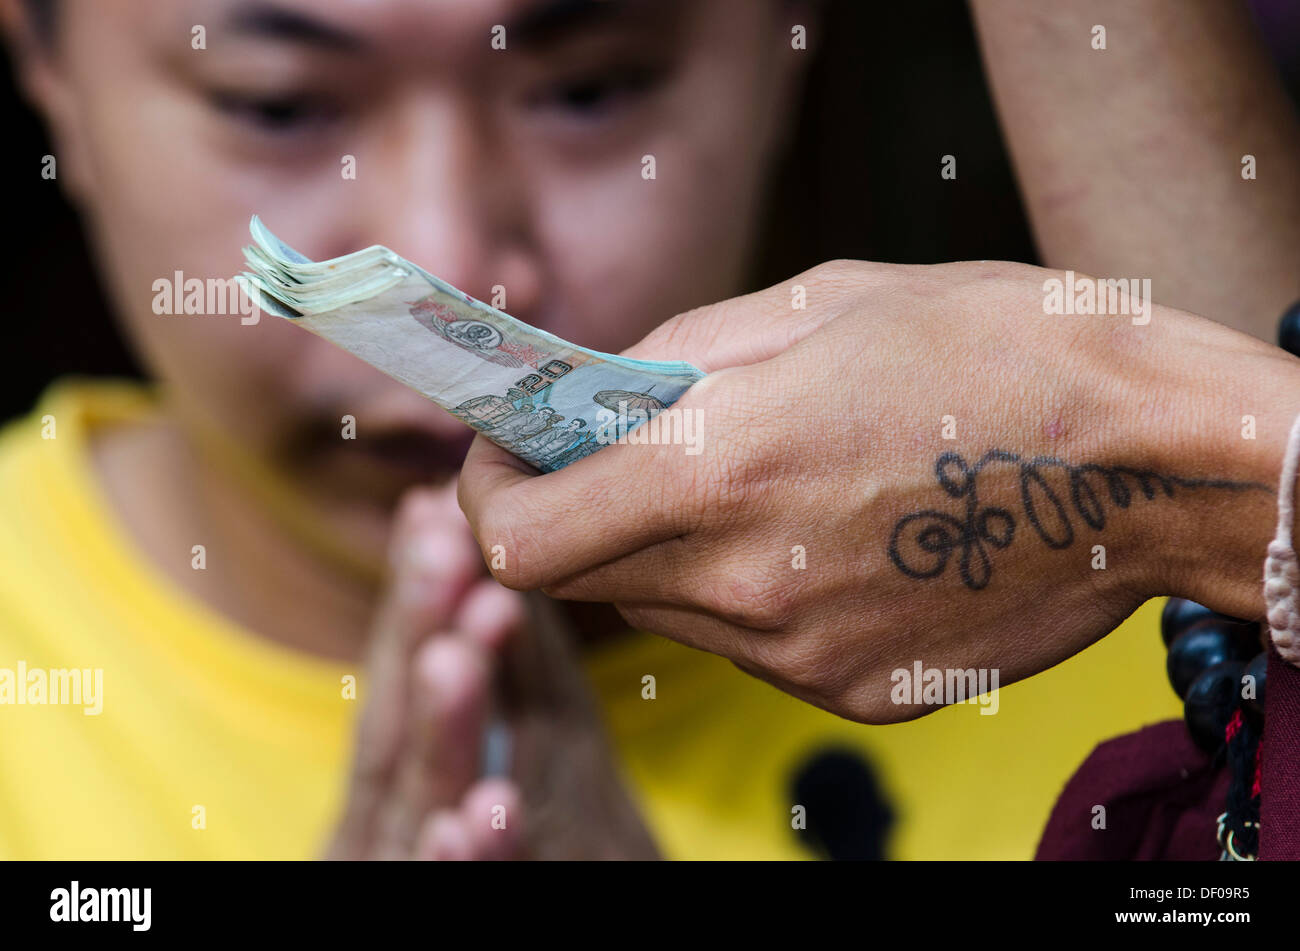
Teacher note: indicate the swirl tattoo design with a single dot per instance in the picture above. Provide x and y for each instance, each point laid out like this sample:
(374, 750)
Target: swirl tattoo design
(924, 543)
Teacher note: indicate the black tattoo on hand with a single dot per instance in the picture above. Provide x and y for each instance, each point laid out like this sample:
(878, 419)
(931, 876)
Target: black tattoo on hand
(924, 542)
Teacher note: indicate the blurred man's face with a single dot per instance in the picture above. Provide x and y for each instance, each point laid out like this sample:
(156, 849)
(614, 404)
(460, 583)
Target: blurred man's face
(519, 167)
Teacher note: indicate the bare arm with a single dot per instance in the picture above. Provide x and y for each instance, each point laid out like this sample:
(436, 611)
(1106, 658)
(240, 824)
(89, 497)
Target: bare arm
(1130, 158)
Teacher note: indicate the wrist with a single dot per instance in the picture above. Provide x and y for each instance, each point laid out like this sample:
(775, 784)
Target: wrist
(1215, 411)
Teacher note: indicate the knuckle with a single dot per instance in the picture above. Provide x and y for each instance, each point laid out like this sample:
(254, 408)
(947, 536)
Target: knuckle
(643, 618)
(730, 480)
(805, 664)
(842, 278)
(768, 607)
(746, 600)
(996, 280)
(680, 335)
(864, 693)
(836, 269)
(571, 590)
(503, 551)
(872, 707)
(467, 500)
(819, 670)
(796, 665)
(674, 330)
(722, 485)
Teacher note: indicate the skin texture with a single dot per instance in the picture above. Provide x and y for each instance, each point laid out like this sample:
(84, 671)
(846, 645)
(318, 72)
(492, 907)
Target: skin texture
(1129, 158)
(517, 167)
(814, 439)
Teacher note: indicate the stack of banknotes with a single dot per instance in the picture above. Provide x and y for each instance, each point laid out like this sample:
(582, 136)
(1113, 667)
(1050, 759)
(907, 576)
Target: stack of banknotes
(545, 400)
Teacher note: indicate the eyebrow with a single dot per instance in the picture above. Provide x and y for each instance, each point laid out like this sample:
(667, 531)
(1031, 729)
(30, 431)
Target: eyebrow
(548, 20)
(542, 22)
(268, 21)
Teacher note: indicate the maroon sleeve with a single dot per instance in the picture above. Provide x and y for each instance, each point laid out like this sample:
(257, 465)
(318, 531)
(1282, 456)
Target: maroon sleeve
(1279, 781)
(1161, 797)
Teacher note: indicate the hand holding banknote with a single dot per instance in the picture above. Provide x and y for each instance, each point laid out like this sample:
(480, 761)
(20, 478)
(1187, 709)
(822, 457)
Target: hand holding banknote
(898, 461)
(922, 465)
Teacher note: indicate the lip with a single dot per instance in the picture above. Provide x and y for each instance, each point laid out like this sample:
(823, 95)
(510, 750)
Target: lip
(391, 438)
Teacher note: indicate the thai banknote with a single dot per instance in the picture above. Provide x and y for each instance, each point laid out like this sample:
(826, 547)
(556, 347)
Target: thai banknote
(548, 401)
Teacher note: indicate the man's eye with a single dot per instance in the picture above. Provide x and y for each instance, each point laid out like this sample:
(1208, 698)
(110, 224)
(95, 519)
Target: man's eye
(277, 114)
(592, 96)
(586, 96)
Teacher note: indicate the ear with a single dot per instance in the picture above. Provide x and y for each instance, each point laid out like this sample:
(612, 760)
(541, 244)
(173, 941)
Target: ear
(33, 51)
(40, 75)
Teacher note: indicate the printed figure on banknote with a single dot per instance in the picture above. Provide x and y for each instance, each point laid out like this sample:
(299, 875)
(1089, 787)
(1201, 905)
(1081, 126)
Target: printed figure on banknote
(545, 400)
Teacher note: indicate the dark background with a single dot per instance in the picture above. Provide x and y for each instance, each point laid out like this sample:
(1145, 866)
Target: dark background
(895, 87)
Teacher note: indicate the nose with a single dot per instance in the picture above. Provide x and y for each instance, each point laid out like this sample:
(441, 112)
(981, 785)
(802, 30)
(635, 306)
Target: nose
(441, 198)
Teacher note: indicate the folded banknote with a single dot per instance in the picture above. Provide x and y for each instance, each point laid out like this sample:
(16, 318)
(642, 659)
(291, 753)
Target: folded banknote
(545, 400)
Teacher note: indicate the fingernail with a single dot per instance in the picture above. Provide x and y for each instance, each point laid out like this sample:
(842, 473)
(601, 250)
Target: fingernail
(449, 671)
(425, 553)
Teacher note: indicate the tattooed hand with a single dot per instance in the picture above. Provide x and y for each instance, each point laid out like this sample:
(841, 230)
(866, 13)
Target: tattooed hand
(919, 465)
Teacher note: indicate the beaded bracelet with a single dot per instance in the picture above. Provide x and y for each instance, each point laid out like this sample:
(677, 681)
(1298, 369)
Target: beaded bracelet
(1217, 667)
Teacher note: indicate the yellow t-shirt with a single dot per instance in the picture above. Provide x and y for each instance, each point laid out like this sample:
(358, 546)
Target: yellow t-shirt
(212, 742)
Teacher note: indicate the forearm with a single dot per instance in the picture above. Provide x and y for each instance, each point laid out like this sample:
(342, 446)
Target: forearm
(1129, 158)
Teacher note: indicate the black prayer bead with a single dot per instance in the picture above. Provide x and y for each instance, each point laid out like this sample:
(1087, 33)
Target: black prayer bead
(1288, 330)
(1211, 700)
(1180, 614)
(1208, 642)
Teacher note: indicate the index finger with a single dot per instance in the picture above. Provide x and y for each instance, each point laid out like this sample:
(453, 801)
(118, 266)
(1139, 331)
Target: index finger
(537, 529)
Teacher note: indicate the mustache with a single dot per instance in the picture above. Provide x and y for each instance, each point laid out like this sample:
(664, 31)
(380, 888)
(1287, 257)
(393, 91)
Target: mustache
(324, 433)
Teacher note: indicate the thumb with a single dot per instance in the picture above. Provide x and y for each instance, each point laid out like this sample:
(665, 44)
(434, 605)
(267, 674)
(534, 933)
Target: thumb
(755, 327)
